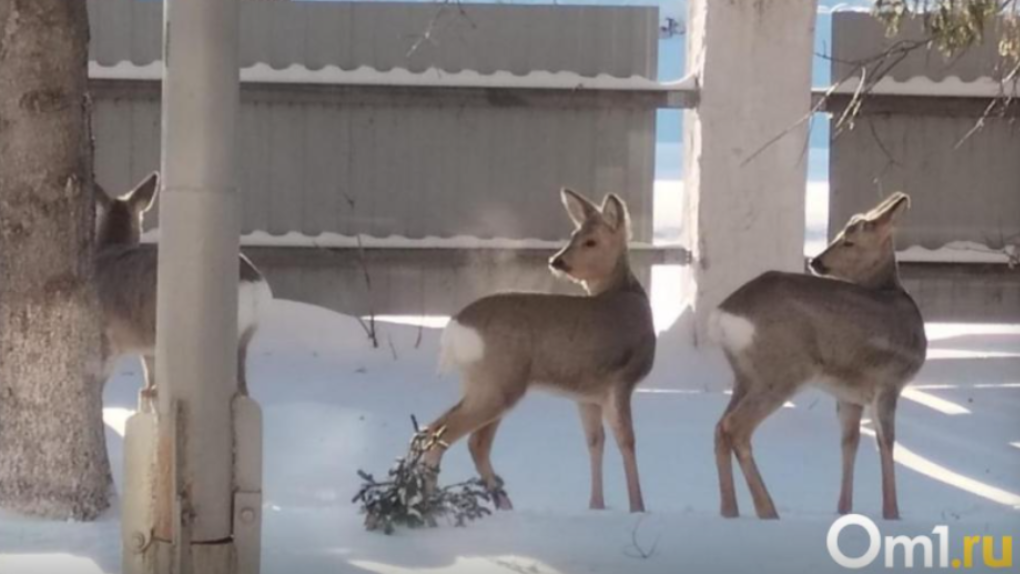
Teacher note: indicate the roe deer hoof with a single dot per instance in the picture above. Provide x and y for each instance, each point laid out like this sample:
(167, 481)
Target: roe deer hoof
(499, 496)
(502, 501)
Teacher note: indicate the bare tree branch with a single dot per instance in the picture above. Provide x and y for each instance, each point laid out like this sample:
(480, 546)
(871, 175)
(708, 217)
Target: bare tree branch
(369, 326)
(953, 26)
(636, 549)
(436, 25)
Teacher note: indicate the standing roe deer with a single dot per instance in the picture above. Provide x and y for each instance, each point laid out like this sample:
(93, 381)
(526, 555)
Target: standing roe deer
(126, 274)
(854, 332)
(594, 349)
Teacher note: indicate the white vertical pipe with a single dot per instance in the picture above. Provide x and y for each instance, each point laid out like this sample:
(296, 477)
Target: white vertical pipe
(196, 340)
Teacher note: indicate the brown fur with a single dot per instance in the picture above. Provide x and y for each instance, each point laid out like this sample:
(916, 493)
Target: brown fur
(126, 277)
(855, 332)
(593, 349)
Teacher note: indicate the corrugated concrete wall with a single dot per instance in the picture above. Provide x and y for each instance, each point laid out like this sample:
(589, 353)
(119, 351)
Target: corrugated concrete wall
(322, 159)
(964, 188)
(857, 36)
(964, 293)
(965, 184)
(316, 162)
(965, 193)
(411, 281)
(615, 40)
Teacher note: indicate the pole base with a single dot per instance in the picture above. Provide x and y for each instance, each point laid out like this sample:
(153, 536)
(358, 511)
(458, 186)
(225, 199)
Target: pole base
(143, 552)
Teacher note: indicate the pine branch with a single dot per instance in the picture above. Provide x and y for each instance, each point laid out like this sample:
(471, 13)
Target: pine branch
(407, 498)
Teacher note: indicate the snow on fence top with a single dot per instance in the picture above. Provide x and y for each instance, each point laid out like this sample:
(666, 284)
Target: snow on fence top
(400, 77)
(679, 253)
(947, 87)
(920, 86)
(951, 86)
(953, 252)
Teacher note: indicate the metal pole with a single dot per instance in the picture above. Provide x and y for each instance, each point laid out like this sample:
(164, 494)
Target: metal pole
(180, 499)
(196, 338)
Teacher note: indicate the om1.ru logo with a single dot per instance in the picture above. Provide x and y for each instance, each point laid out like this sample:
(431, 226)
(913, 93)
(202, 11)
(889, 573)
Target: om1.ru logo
(910, 546)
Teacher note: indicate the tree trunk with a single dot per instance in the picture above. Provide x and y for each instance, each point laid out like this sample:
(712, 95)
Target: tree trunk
(53, 460)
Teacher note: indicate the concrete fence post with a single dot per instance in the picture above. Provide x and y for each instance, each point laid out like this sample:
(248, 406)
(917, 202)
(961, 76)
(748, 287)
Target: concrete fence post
(745, 153)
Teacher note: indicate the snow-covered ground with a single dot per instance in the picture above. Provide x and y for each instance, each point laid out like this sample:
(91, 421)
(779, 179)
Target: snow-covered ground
(333, 405)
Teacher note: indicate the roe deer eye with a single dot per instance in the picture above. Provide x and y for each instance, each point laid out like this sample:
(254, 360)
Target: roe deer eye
(848, 243)
(590, 243)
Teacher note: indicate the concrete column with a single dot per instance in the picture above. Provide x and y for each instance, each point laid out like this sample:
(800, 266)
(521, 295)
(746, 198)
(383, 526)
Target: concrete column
(744, 205)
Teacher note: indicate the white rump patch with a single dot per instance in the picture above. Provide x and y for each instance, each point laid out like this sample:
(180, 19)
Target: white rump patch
(253, 300)
(733, 332)
(459, 346)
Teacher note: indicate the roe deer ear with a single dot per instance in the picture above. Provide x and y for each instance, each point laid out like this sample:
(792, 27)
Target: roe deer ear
(890, 210)
(101, 198)
(144, 194)
(578, 207)
(885, 216)
(614, 212)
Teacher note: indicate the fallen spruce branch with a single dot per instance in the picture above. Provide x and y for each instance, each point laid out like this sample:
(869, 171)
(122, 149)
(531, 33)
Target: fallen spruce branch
(404, 499)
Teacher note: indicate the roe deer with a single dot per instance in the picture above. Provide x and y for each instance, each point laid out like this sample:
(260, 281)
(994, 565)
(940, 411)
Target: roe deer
(593, 349)
(126, 274)
(852, 331)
